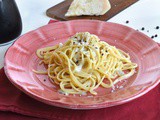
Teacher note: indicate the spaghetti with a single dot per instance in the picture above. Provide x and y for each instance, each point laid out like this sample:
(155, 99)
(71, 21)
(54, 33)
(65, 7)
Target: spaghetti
(84, 63)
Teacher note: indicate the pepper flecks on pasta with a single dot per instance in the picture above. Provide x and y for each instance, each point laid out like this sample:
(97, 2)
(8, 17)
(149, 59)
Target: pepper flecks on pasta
(82, 63)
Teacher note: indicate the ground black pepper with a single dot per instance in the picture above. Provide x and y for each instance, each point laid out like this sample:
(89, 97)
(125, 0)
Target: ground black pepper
(127, 21)
(77, 62)
(156, 35)
(152, 37)
(157, 27)
(143, 28)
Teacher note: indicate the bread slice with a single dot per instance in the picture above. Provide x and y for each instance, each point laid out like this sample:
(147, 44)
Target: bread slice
(88, 7)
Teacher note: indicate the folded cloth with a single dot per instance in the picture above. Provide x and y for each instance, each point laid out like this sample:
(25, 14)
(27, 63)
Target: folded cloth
(14, 105)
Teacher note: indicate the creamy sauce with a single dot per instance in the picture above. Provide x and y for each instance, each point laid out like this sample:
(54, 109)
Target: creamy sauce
(83, 93)
(62, 92)
(60, 44)
(76, 50)
(120, 72)
(79, 68)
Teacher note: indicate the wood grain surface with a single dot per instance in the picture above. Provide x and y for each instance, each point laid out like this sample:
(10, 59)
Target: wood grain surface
(58, 11)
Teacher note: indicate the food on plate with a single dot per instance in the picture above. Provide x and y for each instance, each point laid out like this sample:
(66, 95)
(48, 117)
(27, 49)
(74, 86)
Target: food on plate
(84, 63)
(88, 7)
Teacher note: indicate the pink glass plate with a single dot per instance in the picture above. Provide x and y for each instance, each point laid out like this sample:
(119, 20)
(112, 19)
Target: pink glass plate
(21, 59)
